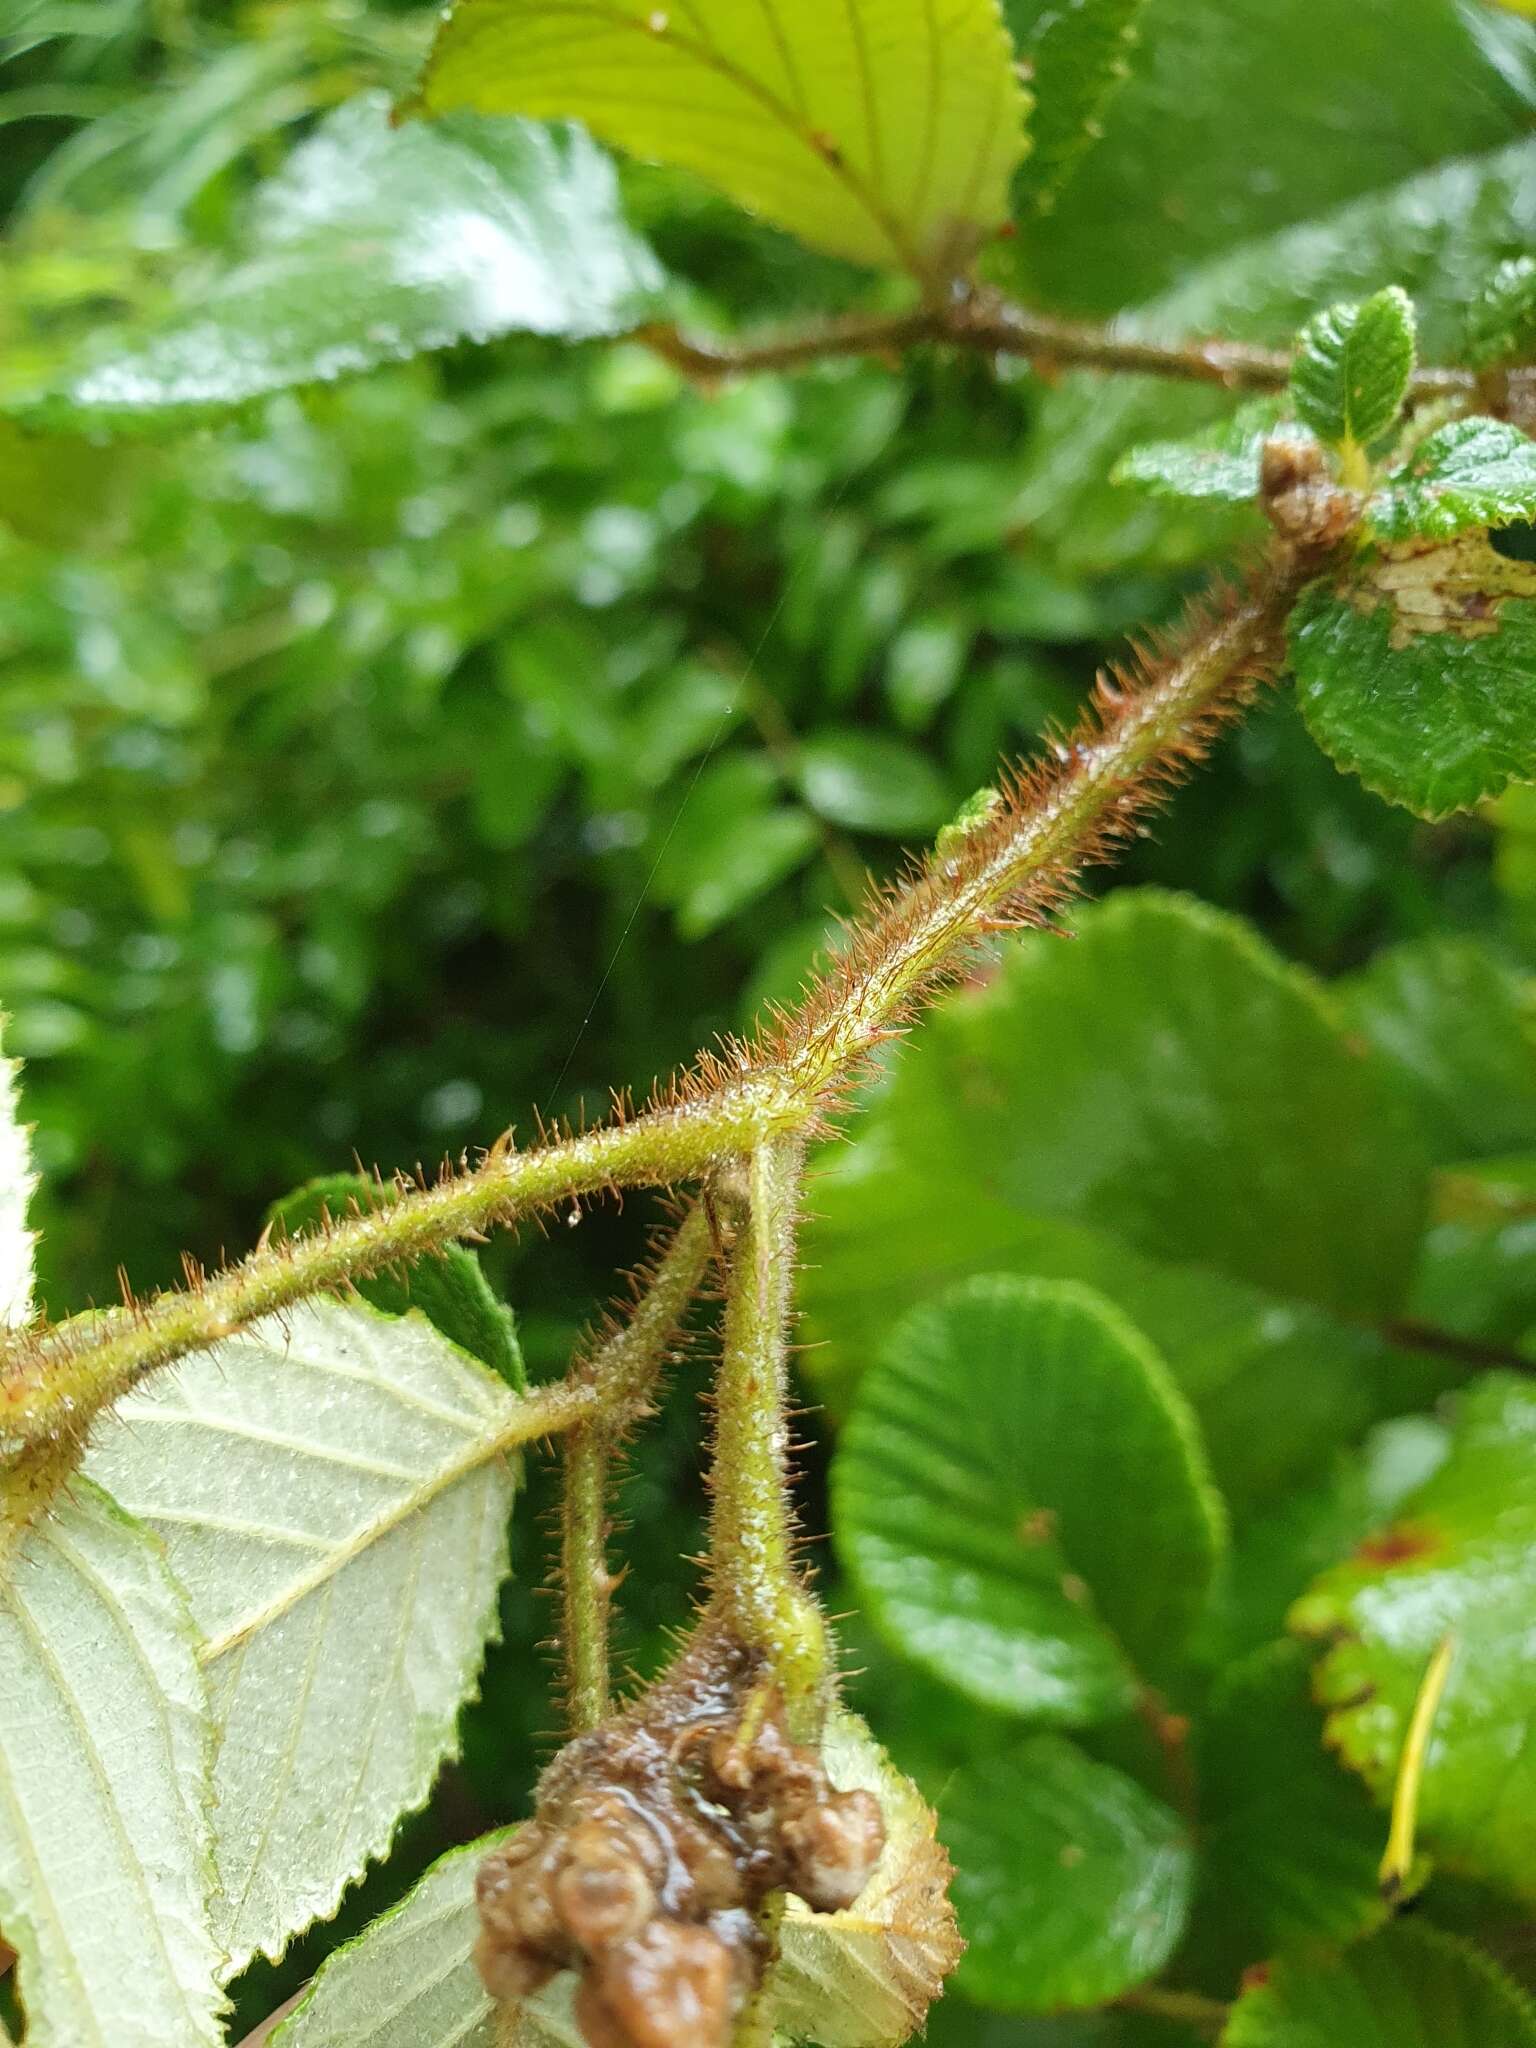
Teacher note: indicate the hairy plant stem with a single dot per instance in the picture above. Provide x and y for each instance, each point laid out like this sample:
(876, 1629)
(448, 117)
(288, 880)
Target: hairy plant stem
(995, 326)
(1139, 736)
(52, 1383)
(756, 1589)
(621, 1374)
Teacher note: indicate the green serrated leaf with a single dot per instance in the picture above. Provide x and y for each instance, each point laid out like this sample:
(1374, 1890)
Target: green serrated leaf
(17, 1182)
(1223, 462)
(1432, 233)
(1072, 1883)
(865, 1977)
(964, 1164)
(885, 133)
(857, 1979)
(1407, 1987)
(407, 1981)
(1471, 473)
(1501, 325)
(1351, 371)
(1414, 671)
(1457, 1027)
(1197, 1081)
(104, 1787)
(373, 245)
(997, 1489)
(1290, 1844)
(1279, 1555)
(330, 1495)
(448, 1287)
(1459, 1557)
(1079, 54)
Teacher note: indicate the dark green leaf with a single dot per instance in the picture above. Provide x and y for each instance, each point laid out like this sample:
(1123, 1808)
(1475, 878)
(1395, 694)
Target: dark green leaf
(1437, 234)
(1289, 1842)
(1408, 1987)
(1197, 1083)
(447, 1287)
(1457, 1026)
(1014, 1459)
(1071, 1883)
(967, 1164)
(1459, 1557)
(1352, 368)
(871, 782)
(1280, 1554)
(375, 244)
(1474, 472)
(1415, 671)
(1243, 116)
(1222, 462)
(1079, 53)
(1501, 326)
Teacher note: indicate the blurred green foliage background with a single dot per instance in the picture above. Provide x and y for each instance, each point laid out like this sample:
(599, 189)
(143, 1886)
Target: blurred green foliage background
(493, 730)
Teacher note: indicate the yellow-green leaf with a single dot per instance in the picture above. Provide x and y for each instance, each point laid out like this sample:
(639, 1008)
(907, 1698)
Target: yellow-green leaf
(885, 132)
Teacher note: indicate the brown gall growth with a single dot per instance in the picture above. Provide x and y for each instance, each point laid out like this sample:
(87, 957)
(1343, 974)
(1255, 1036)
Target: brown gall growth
(655, 1843)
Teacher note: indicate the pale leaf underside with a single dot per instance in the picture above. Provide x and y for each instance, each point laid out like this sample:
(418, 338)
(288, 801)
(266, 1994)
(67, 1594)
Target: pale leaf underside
(330, 1496)
(103, 1788)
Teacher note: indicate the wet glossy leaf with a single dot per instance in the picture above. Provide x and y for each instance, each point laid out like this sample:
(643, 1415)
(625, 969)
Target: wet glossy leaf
(1290, 1843)
(1501, 325)
(1458, 1557)
(104, 1862)
(330, 1496)
(1474, 472)
(1079, 53)
(1196, 1081)
(1457, 1025)
(1414, 671)
(1222, 462)
(1408, 1987)
(374, 244)
(1437, 234)
(1401, 85)
(1072, 1883)
(1282, 1551)
(882, 133)
(1012, 1460)
(1352, 368)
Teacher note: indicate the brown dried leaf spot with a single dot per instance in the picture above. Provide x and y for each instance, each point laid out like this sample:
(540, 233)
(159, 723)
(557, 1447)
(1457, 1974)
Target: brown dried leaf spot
(656, 1840)
(1455, 586)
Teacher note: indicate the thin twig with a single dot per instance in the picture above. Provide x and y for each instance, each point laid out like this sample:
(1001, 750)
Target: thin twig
(997, 327)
